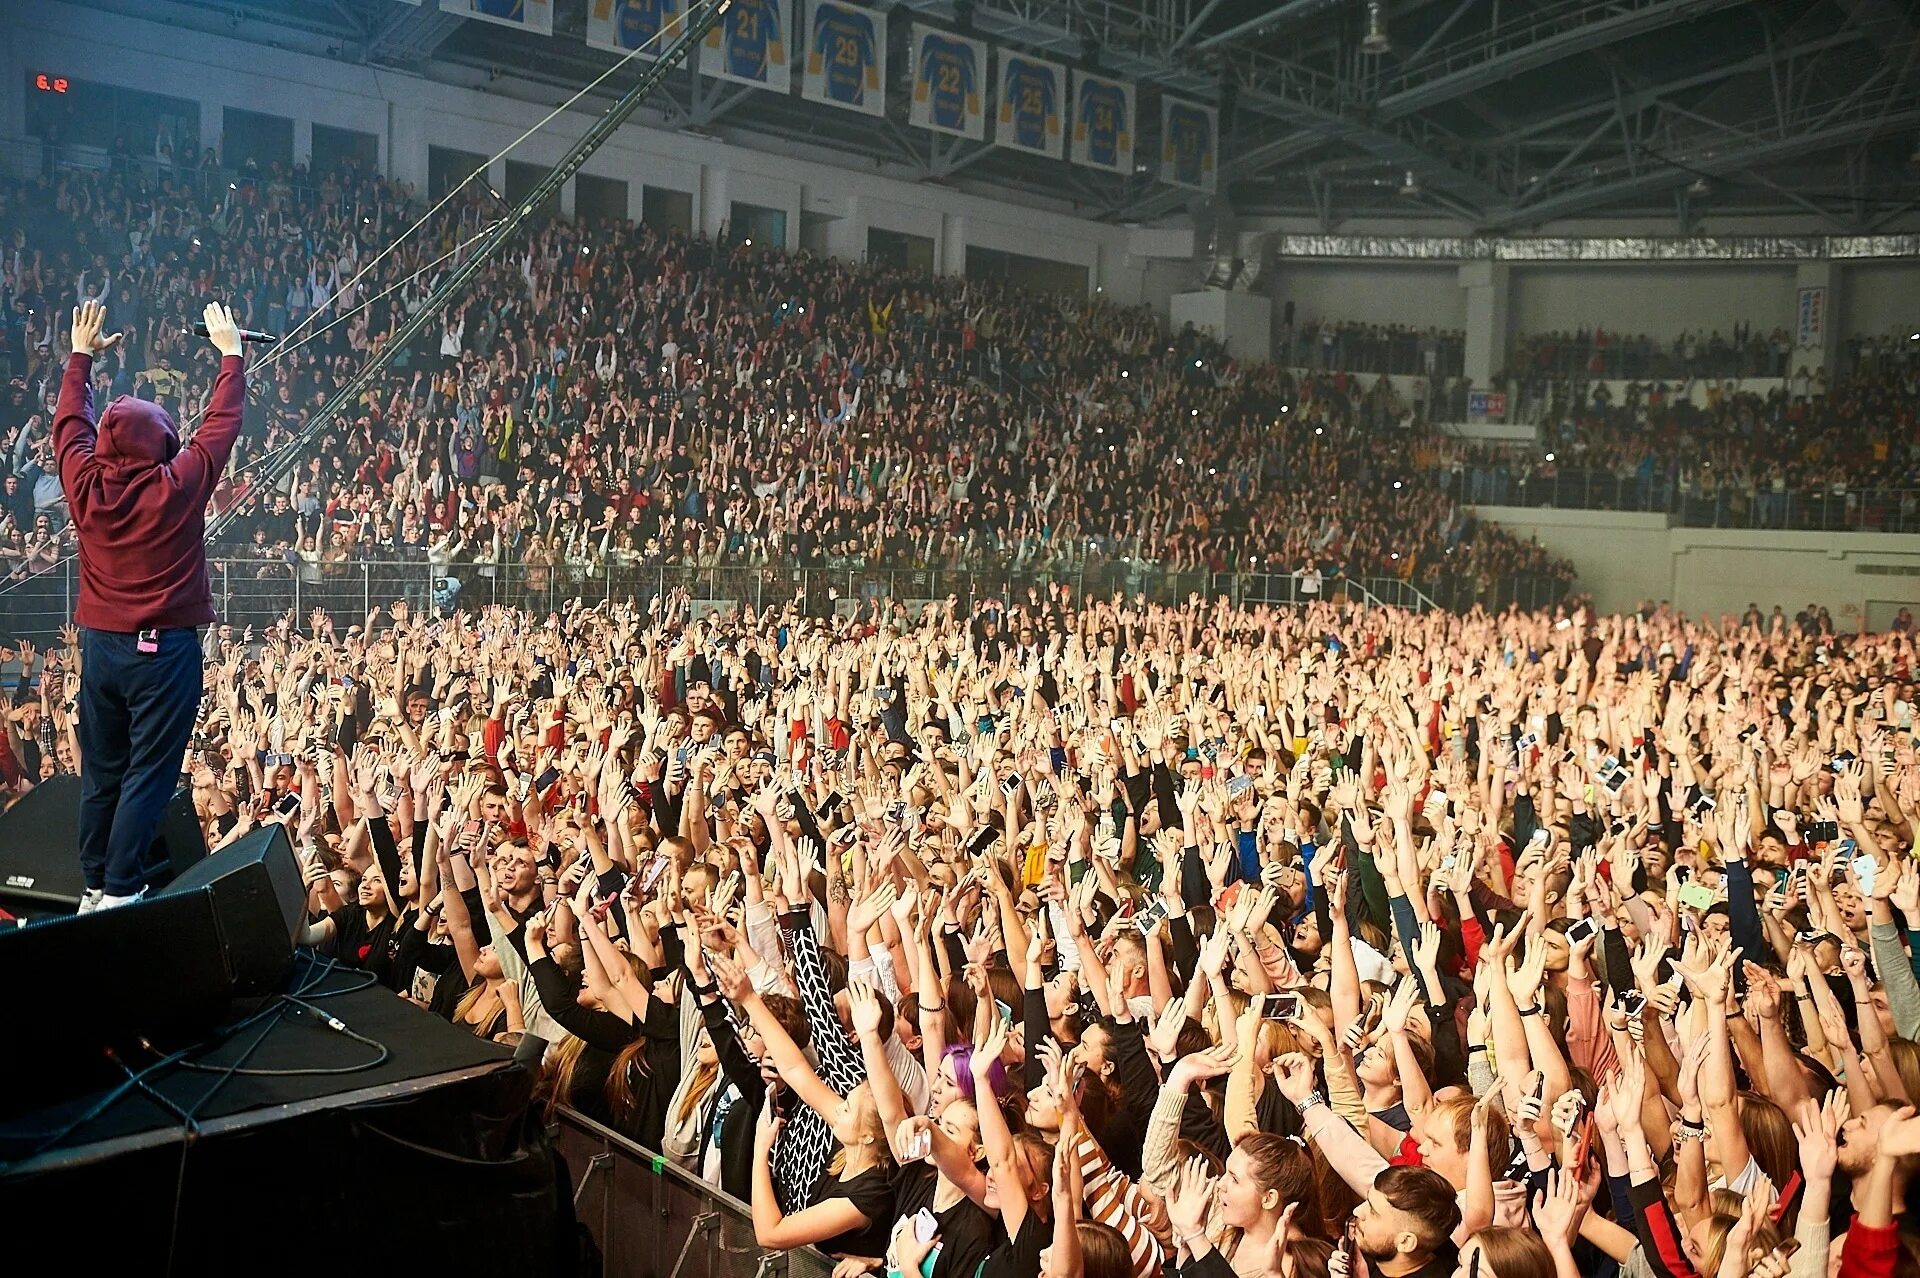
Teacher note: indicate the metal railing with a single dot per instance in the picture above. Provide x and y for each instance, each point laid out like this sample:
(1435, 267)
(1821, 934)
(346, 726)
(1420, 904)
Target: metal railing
(1663, 492)
(1359, 352)
(650, 1219)
(257, 593)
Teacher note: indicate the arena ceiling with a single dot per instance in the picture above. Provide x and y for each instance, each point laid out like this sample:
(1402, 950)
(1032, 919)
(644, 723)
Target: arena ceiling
(1499, 114)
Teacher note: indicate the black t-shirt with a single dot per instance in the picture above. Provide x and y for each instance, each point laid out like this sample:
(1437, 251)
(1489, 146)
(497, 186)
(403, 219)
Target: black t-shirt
(872, 1193)
(356, 944)
(1019, 1257)
(967, 1233)
(966, 1236)
(423, 967)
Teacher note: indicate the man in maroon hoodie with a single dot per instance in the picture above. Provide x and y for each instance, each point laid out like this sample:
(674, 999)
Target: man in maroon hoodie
(138, 500)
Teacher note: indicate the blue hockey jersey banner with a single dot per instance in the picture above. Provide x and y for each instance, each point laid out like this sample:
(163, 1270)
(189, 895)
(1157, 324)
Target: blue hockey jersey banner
(1103, 123)
(751, 44)
(643, 28)
(949, 83)
(1189, 144)
(1030, 105)
(846, 57)
(528, 15)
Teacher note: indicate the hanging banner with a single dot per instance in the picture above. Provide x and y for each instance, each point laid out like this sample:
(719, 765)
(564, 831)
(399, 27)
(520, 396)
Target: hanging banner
(643, 28)
(949, 83)
(1031, 101)
(528, 15)
(1103, 127)
(846, 57)
(1810, 319)
(1189, 141)
(750, 45)
(1488, 404)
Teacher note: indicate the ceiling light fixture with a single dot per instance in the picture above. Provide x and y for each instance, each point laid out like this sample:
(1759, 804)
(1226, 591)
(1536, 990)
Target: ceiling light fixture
(1376, 42)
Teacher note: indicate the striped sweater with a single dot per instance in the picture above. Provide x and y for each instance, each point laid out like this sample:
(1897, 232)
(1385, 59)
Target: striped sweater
(1111, 1198)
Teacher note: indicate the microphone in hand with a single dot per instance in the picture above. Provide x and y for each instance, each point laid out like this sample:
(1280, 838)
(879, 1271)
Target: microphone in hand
(246, 334)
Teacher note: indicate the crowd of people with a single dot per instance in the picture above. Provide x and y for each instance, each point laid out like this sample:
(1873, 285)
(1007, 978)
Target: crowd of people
(1890, 355)
(1598, 353)
(1330, 345)
(1054, 933)
(1089, 936)
(614, 396)
(1848, 457)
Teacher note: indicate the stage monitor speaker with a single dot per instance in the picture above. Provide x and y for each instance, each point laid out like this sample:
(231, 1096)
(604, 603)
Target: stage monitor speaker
(166, 968)
(40, 846)
(248, 879)
(181, 843)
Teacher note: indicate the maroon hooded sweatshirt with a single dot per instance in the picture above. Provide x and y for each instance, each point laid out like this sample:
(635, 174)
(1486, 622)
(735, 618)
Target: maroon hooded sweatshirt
(139, 500)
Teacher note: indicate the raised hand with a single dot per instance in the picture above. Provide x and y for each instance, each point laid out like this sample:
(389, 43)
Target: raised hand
(735, 985)
(1817, 1130)
(1191, 1200)
(1629, 1091)
(870, 909)
(1295, 1076)
(221, 329)
(1900, 1134)
(865, 1001)
(1214, 1062)
(88, 319)
(1905, 893)
(1523, 981)
(1426, 951)
(1559, 1208)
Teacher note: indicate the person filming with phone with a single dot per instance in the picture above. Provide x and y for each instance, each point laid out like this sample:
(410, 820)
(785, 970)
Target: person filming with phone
(138, 499)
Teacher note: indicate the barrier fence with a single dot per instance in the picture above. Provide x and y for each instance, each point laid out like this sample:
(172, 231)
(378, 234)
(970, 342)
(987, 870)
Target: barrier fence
(653, 1220)
(254, 592)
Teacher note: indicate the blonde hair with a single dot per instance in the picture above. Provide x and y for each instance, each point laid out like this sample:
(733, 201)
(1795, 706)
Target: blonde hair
(470, 1000)
(869, 1128)
(558, 1079)
(1460, 1110)
(701, 1081)
(1515, 1253)
(1763, 1239)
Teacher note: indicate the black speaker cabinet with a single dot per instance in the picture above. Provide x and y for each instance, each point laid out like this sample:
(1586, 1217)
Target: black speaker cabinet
(166, 969)
(40, 846)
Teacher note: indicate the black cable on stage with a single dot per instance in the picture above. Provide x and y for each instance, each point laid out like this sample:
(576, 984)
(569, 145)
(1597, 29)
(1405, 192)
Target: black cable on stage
(277, 1008)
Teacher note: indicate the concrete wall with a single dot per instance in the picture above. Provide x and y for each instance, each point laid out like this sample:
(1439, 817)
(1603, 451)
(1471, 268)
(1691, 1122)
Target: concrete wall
(1416, 294)
(1880, 298)
(1244, 321)
(1660, 301)
(1625, 558)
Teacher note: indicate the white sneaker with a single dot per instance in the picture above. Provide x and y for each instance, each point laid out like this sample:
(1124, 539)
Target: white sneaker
(90, 900)
(115, 902)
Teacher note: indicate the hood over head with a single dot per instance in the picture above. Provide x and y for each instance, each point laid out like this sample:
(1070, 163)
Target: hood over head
(136, 433)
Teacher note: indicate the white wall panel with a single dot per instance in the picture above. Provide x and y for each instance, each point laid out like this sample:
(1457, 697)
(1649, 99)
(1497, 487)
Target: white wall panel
(1421, 296)
(1625, 558)
(1661, 302)
(1880, 297)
